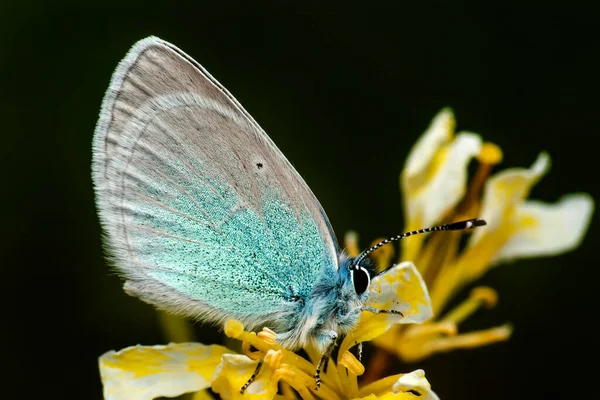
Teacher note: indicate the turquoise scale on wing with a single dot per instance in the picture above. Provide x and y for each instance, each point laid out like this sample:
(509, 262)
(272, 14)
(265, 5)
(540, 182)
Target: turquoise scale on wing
(197, 259)
(303, 257)
(262, 256)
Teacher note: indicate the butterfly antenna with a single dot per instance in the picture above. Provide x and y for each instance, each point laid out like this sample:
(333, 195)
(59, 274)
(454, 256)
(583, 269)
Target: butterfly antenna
(455, 226)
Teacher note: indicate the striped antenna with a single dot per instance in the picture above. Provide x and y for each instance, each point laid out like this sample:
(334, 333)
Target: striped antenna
(455, 226)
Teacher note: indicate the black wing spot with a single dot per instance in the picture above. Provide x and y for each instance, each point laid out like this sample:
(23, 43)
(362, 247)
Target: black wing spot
(259, 165)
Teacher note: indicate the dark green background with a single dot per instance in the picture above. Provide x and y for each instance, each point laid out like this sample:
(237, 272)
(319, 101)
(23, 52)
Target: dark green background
(344, 89)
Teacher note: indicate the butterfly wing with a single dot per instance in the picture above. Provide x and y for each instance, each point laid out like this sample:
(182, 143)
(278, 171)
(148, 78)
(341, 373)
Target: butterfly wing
(203, 215)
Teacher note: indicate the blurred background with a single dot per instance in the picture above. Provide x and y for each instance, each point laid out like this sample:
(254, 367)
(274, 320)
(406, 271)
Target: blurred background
(344, 89)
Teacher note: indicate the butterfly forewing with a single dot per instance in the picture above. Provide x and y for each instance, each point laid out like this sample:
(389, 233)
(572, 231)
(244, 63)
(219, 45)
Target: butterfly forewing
(203, 214)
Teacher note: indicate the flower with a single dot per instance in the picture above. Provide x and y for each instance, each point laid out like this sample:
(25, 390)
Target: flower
(146, 372)
(435, 190)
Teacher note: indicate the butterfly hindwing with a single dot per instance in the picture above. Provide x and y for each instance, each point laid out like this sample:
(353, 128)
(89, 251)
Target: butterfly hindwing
(203, 214)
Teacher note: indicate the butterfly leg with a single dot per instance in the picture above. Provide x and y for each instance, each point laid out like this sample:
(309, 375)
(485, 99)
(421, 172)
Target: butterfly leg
(252, 378)
(360, 349)
(378, 311)
(332, 337)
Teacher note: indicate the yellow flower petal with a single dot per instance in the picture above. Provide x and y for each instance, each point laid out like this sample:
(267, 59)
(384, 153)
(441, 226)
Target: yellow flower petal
(444, 189)
(415, 381)
(435, 175)
(234, 371)
(421, 341)
(402, 386)
(400, 288)
(548, 229)
(504, 192)
(147, 372)
(480, 296)
(420, 347)
(438, 133)
(202, 395)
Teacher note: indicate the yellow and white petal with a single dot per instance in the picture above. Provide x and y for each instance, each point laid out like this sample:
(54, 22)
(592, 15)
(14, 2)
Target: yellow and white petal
(435, 175)
(233, 373)
(548, 229)
(503, 196)
(415, 381)
(147, 372)
(401, 289)
(422, 163)
(447, 184)
(417, 348)
(203, 395)
(439, 133)
(399, 387)
(504, 192)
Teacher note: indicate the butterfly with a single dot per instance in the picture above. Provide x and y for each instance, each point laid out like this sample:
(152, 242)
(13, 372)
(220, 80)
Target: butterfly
(203, 215)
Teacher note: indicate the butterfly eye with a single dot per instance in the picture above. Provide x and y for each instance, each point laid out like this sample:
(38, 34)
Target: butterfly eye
(361, 280)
